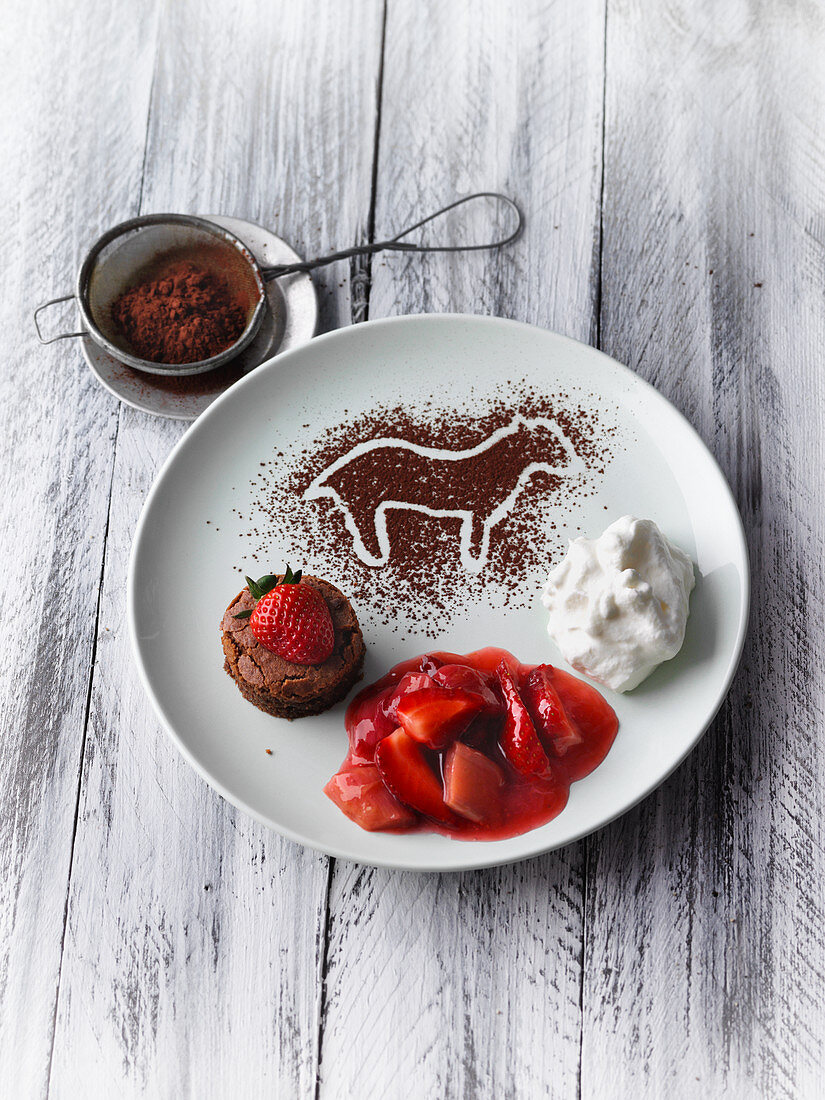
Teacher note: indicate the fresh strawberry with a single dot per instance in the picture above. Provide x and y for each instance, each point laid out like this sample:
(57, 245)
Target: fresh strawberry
(436, 716)
(472, 783)
(519, 740)
(407, 773)
(468, 679)
(291, 619)
(551, 719)
(363, 796)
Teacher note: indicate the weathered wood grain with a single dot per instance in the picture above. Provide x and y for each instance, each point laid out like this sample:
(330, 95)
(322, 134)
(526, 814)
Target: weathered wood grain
(479, 97)
(680, 951)
(70, 165)
(469, 985)
(190, 958)
(705, 945)
(195, 936)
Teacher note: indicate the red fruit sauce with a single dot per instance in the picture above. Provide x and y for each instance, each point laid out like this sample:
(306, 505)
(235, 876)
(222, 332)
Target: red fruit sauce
(550, 731)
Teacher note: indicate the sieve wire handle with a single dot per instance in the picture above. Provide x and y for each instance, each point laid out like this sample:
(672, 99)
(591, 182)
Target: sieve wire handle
(61, 335)
(396, 244)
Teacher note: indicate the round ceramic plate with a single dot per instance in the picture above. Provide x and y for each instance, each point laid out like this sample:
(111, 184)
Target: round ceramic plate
(236, 496)
(289, 322)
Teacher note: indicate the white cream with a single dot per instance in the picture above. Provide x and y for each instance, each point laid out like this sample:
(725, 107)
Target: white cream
(619, 604)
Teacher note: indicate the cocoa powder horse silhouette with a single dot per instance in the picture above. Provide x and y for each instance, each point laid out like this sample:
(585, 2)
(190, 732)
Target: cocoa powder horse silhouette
(479, 485)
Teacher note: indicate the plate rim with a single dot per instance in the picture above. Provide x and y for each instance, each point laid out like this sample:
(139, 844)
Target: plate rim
(468, 864)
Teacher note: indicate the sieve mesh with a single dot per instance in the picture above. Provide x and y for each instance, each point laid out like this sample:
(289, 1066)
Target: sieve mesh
(135, 251)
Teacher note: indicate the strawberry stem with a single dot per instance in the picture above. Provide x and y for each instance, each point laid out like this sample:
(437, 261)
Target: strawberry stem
(265, 584)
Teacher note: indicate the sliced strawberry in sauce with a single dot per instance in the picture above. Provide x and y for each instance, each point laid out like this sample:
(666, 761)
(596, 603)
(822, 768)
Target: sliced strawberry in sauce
(372, 715)
(409, 682)
(468, 679)
(519, 740)
(547, 711)
(366, 726)
(482, 733)
(407, 772)
(517, 733)
(430, 663)
(363, 796)
(472, 783)
(589, 711)
(436, 716)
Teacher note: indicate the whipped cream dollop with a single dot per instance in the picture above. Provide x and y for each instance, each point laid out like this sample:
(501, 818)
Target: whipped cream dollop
(618, 604)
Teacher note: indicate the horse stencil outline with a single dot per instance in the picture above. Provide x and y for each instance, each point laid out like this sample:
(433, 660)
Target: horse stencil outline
(357, 484)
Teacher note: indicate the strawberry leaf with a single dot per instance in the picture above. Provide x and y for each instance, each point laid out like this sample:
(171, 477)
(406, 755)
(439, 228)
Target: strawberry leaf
(254, 588)
(267, 583)
(242, 615)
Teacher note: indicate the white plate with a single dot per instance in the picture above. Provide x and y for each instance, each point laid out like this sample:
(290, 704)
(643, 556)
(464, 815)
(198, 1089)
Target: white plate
(195, 531)
(289, 322)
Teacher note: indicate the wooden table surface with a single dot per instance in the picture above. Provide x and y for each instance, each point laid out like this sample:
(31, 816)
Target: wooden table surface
(670, 158)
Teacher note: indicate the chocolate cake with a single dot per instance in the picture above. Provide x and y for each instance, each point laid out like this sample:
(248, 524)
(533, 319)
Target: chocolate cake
(290, 690)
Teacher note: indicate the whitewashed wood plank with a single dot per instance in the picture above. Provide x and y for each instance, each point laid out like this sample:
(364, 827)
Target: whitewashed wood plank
(705, 950)
(191, 953)
(170, 988)
(469, 985)
(71, 151)
(270, 113)
(479, 97)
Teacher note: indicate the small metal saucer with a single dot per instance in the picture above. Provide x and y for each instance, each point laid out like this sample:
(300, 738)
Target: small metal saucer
(290, 320)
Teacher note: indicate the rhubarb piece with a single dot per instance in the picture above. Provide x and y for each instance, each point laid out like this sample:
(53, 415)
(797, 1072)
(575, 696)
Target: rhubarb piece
(363, 796)
(436, 716)
(472, 783)
(549, 716)
(406, 771)
(519, 740)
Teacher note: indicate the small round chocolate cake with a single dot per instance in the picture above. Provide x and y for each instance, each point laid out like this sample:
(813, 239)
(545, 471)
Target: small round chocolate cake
(280, 687)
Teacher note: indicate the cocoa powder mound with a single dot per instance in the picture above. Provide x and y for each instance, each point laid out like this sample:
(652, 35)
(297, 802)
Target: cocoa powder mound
(184, 314)
(424, 582)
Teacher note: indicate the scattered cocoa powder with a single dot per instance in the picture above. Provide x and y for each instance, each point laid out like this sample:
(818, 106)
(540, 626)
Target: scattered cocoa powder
(424, 582)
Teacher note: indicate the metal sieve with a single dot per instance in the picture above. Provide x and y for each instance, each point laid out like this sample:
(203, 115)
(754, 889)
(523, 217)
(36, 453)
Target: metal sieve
(130, 251)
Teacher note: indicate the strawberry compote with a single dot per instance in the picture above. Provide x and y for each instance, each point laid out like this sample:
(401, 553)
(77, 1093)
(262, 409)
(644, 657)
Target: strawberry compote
(479, 747)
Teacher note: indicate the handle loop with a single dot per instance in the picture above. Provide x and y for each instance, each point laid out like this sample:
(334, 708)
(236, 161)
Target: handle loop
(61, 335)
(397, 244)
